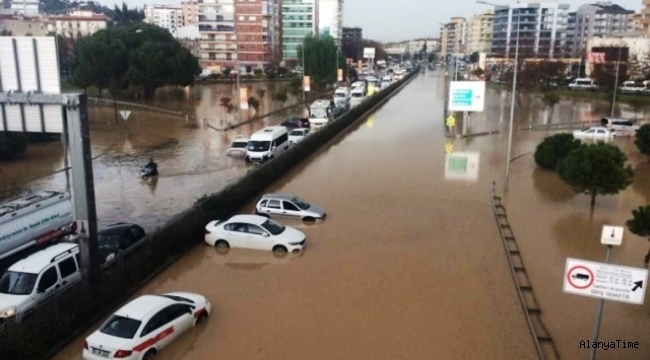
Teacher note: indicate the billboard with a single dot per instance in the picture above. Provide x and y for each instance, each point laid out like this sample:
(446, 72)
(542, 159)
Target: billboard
(30, 64)
(462, 166)
(306, 83)
(466, 96)
(482, 57)
(369, 53)
(339, 75)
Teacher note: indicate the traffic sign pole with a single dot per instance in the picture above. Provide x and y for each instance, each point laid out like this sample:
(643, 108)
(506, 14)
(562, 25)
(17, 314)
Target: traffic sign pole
(599, 312)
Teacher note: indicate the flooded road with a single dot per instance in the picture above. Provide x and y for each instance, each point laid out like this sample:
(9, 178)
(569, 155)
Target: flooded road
(189, 152)
(408, 265)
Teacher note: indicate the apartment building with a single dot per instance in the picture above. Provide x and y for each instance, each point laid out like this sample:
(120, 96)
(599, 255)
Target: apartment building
(479, 34)
(352, 34)
(190, 10)
(635, 23)
(238, 33)
(453, 37)
(21, 25)
(330, 18)
(598, 20)
(645, 16)
(79, 23)
(541, 26)
(169, 17)
(24, 7)
(299, 19)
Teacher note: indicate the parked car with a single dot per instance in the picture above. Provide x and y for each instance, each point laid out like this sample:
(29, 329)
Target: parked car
(254, 232)
(296, 135)
(142, 328)
(597, 133)
(237, 147)
(288, 205)
(33, 278)
(619, 124)
(583, 84)
(340, 109)
(118, 237)
(295, 121)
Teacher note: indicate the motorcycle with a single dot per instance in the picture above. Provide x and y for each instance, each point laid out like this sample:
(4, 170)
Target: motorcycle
(148, 171)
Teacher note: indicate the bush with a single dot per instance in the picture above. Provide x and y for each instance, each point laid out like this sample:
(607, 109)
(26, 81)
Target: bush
(258, 72)
(550, 152)
(642, 141)
(12, 144)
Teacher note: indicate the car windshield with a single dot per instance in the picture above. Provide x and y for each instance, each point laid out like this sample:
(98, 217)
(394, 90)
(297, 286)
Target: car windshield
(17, 283)
(239, 144)
(357, 95)
(178, 298)
(319, 113)
(300, 203)
(109, 242)
(121, 327)
(339, 95)
(273, 227)
(296, 133)
(259, 145)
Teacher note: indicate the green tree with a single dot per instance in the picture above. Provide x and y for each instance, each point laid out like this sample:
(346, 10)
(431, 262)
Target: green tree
(12, 144)
(431, 58)
(639, 225)
(127, 16)
(596, 169)
(474, 57)
(642, 140)
(550, 99)
(320, 59)
(142, 57)
(254, 103)
(550, 152)
(281, 97)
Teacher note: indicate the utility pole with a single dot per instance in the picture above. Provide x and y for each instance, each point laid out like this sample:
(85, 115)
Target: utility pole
(618, 65)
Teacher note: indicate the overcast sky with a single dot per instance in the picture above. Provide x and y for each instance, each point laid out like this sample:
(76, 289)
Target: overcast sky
(392, 20)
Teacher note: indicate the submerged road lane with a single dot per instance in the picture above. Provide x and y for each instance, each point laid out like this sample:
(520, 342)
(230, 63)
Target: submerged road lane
(408, 265)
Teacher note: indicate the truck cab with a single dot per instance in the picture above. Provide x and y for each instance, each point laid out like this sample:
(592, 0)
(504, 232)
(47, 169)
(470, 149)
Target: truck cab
(319, 113)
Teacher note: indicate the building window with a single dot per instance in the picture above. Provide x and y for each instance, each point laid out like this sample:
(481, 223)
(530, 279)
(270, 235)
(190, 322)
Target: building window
(252, 18)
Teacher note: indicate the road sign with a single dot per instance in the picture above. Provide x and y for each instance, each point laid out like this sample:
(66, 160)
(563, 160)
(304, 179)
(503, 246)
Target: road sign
(612, 235)
(449, 148)
(466, 96)
(451, 121)
(605, 281)
(29, 64)
(462, 166)
(369, 53)
(125, 114)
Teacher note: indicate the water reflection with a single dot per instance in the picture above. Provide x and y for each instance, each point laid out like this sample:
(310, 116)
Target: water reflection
(579, 233)
(641, 184)
(551, 187)
(242, 259)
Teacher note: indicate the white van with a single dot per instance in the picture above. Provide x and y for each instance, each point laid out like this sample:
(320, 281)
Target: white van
(267, 143)
(583, 84)
(341, 96)
(356, 97)
(622, 125)
(32, 279)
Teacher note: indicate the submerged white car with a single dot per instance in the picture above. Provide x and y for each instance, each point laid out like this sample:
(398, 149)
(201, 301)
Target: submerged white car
(297, 135)
(237, 147)
(254, 232)
(597, 133)
(143, 327)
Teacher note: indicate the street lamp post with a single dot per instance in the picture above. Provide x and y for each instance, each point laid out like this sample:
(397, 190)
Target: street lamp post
(512, 101)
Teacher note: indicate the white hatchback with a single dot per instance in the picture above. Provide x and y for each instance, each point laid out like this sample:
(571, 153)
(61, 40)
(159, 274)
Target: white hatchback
(146, 325)
(254, 232)
(296, 135)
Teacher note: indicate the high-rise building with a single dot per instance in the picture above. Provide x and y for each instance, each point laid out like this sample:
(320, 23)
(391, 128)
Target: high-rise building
(190, 12)
(169, 17)
(330, 18)
(239, 33)
(645, 16)
(479, 34)
(541, 26)
(352, 34)
(635, 23)
(598, 20)
(24, 7)
(453, 37)
(299, 19)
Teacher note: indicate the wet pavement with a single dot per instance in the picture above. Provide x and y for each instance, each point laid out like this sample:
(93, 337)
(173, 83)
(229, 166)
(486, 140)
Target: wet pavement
(408, 265)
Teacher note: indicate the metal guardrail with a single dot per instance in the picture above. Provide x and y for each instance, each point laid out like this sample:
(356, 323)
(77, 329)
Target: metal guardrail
(542, 340)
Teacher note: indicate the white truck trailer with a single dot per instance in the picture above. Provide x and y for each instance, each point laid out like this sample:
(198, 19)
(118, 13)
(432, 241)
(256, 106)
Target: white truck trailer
(34, 219)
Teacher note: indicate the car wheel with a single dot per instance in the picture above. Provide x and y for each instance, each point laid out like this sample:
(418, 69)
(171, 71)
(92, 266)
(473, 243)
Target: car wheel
(149, 355)
(308, 218)
(204, 316)
(222, 244)
(279, 249)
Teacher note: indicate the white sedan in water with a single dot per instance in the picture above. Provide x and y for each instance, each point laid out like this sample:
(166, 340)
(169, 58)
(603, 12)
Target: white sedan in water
(297, 135)
(596, 133)
(146, 325)
(254, 232)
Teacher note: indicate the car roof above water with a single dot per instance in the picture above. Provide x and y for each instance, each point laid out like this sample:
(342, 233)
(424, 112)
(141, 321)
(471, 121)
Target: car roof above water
(279, 196)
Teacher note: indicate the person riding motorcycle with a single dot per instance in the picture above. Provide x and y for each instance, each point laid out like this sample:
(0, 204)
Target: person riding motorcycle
(151, 169)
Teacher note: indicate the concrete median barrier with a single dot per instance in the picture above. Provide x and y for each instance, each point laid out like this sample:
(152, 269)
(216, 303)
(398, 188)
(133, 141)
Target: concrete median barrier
(68, 313)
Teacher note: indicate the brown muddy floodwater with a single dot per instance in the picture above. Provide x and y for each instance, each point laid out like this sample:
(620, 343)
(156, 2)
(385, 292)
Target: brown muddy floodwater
(408, 265)
(189, 152)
